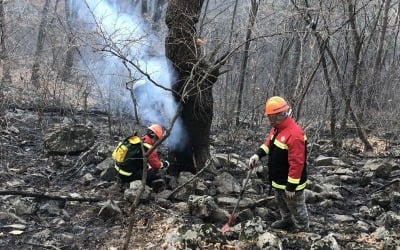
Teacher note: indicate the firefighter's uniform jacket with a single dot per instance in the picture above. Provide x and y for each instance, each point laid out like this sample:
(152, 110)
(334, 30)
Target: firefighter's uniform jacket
(130, 173)
(286, 146)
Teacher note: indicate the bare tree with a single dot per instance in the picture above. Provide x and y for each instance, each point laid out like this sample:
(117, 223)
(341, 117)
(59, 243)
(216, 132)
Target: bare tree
(70, 15)
(242, 74)
(4, 57)
(376, 83)
(39, 45)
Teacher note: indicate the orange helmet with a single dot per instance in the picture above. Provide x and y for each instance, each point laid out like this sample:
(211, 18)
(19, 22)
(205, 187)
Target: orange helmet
(157, 130)
(275, 105)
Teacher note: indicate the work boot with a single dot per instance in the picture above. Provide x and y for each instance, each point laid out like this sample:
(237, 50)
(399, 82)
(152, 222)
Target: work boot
(282, 224)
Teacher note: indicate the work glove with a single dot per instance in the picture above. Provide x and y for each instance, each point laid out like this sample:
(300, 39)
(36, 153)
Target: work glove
(165, 164)
(289, 194)
(253, 161)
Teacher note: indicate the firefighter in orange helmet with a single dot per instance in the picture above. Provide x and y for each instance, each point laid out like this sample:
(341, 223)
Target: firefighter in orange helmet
(132, 168)
(286, 148)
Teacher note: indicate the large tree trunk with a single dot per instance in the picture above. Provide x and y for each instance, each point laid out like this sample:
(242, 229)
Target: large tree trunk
(193, 85)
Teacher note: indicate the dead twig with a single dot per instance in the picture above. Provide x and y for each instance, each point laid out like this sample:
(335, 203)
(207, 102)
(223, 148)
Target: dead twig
(208, 163)
(49, 197)
(80, 159)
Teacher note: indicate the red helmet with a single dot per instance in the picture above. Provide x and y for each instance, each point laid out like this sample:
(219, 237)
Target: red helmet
(157, 130)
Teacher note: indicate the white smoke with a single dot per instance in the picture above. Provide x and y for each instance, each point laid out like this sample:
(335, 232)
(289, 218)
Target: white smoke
(125, 29)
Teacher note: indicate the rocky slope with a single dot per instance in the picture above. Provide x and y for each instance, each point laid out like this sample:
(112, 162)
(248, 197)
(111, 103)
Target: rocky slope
(60, 192)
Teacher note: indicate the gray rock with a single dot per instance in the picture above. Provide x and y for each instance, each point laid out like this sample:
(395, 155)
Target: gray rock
(396, 197)
(133, 190)
(381, 168)
(15, 183)
(231, 201)
(42, 235)
(201, 188)
(332, 195)
(245, 214)
(349, 179)
(381, 233)
(328, 242)
(69, 139)
(24, 206)
(366, 179)
(228, 161)
(341, 218)
(165, 194)
(362, 226)
(106, 164)
(226, 184)
(184, 193)
(182, 207)
(325, 204)
(66, 238)
(191, 236)
(262, 212)
(205, 207)
(252, 229)
(313, 197)
(109, 210)
(371, 213)
(87, 178)
(108, 174)
(389, 220)
(381, 198)
(58, 222)
(332, 179)
(270, 241)
(11, 217)
(51, 208)
(343, 171)
(328, 161)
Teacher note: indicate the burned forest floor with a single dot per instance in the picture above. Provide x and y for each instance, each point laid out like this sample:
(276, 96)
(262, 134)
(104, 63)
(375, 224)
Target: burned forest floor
(71, 200)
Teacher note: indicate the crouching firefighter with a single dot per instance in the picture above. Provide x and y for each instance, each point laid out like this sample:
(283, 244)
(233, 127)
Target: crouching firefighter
(128, 156)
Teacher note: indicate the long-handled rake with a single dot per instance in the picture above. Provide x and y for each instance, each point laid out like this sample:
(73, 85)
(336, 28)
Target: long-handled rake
(232, 218)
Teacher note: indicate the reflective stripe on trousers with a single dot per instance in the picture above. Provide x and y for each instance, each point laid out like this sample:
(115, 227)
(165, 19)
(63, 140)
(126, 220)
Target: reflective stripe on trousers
(122, 172)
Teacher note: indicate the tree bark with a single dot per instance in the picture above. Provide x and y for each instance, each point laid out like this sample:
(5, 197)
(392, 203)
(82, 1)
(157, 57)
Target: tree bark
(376, 83)
(4, 58)
(70, 14)
(194, 82)
(39, 45)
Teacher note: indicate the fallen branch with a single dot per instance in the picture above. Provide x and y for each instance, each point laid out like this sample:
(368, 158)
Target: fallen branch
(208, 163)
(49, 197)
(386, 185)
